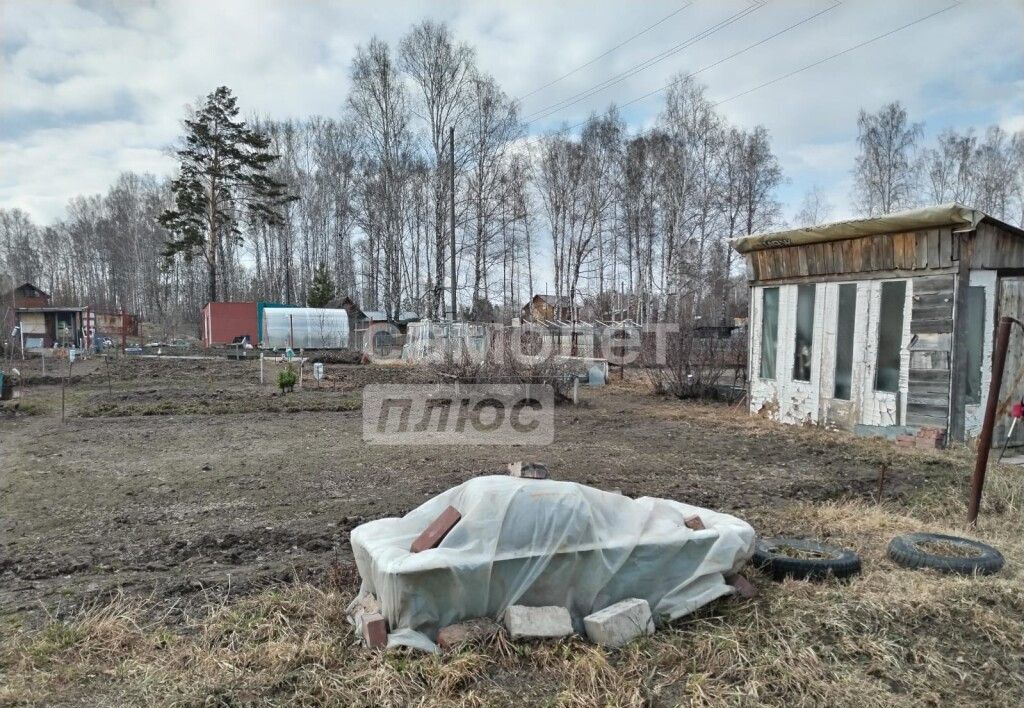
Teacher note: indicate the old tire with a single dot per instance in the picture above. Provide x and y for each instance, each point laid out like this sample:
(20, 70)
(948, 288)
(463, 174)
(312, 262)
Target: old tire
(769, 557)
(907, 552)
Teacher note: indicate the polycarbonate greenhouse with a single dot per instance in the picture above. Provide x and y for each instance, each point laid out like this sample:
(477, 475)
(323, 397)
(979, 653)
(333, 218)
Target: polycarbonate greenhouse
(305, 328)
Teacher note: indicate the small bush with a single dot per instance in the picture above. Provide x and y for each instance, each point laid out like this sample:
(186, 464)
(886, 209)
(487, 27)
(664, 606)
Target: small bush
(286, 379)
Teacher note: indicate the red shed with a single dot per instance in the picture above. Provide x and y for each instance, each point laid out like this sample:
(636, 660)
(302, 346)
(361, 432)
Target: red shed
(223, 321)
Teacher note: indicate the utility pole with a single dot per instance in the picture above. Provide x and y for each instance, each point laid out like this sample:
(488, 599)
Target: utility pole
(451, 175)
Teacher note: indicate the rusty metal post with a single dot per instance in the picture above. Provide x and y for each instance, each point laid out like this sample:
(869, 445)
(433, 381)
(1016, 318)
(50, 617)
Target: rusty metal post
(881, 481)
(985, 439)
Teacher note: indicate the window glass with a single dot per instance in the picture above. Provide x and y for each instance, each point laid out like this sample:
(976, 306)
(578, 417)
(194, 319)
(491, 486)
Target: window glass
(804, 333)
(975, 333)
(890, 335)
(844, 340)
(769, 331)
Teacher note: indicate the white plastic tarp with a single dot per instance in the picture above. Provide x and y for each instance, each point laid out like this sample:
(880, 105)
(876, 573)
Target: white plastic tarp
(544, 542)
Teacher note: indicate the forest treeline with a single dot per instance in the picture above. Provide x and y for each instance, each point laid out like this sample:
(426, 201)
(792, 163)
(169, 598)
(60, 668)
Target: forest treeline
(635, 223)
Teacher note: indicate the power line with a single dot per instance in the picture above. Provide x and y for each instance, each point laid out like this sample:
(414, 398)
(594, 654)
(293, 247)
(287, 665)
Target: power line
(621, 44)
(646, 64)
(784, 76)
(838, 54)
(772, 81)
(725, 59)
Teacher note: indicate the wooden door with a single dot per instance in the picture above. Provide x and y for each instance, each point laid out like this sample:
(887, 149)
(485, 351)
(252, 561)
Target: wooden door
(1011, 304)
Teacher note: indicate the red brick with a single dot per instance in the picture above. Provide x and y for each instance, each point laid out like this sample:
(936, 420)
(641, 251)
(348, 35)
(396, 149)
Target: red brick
(438, 529)
(744, 588)
(906, 441)
(375, 630)
(694, 523)
(930, 433)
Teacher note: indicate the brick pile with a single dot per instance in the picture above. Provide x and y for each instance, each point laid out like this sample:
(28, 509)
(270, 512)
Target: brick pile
(926, 439)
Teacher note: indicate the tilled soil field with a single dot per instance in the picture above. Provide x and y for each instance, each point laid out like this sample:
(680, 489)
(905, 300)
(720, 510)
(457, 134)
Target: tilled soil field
(177, 478)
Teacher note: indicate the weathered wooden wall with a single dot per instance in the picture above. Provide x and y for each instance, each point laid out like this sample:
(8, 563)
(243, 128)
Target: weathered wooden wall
(997, 248)
(914, 251)
(931, 319)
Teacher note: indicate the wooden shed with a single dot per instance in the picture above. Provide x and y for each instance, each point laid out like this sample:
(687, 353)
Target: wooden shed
(548, 307)
(886, 324)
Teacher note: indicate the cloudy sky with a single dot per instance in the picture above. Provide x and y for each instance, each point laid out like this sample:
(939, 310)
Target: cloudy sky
(88, 89)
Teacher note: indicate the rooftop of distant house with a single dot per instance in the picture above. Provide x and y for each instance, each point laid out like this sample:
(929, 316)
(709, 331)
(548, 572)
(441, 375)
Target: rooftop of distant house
(554, 300)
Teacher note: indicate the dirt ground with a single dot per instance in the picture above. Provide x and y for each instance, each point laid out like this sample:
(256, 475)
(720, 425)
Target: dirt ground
(178, 479)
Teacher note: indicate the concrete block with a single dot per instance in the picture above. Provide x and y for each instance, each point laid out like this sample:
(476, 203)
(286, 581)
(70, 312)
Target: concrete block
(694, 523)
(363, 607)
(527, 470)
(537, 622)
(437, 530)
(620, 623)
(375, 631)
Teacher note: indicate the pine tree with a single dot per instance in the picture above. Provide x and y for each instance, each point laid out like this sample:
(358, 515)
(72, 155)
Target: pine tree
(321, 290)
(222, 177)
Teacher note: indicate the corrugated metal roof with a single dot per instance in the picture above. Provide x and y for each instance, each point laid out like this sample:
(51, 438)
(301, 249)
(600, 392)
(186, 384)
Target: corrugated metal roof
(898, 222)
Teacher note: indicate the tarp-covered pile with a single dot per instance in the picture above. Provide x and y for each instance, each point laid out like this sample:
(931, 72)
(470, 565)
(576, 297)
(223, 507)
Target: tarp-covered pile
(544, 542)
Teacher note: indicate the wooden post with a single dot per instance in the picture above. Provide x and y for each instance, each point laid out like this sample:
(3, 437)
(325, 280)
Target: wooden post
(985, 438)
(958, 363)
(63, 385)
(261, 368)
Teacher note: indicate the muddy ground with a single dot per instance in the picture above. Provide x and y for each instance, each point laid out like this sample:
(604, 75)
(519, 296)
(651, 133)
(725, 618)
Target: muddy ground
(180, 478)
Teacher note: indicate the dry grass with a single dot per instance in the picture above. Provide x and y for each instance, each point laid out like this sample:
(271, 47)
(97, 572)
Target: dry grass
(889, 637)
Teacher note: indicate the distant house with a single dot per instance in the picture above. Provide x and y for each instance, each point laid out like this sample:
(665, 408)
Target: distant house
(27, 295)
(118, 326)
(548, 307)
(372, 330)
(40, 324)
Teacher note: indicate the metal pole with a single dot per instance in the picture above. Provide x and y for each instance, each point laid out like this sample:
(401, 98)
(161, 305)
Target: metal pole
(451, 175)
(63, 385)
(985, 439)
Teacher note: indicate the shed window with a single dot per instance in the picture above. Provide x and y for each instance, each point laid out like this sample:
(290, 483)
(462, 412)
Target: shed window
(844, 340)
(890, 335)
(975, 334)
(769, 331)
(804, 333)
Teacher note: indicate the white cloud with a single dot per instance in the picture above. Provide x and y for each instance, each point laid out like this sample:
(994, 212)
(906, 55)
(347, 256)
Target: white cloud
(90, 90)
